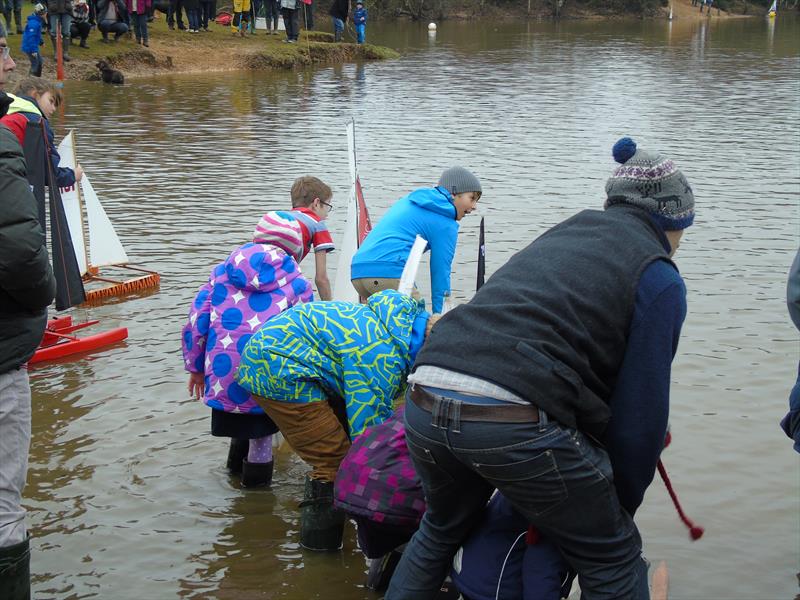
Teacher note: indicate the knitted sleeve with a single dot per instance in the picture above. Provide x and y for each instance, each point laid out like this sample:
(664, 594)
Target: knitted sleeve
(640, 401)
(195, 332)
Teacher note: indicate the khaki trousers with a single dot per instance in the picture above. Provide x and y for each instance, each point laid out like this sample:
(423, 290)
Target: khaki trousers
(369, 285)
(314, 431)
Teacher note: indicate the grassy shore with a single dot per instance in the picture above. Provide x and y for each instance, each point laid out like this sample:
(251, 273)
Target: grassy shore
(176, 51)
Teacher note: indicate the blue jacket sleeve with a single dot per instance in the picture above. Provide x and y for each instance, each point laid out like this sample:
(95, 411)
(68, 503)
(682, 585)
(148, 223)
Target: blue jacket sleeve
(443, 248)
(65, 177)
(640, 401)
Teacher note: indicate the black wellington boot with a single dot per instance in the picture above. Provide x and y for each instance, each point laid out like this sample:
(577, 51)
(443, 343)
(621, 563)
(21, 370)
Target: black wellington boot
(65, 42)
(237, 452)
(15, 571)
(256, 474)
(381, 570)
(18, 19)
(321, 525)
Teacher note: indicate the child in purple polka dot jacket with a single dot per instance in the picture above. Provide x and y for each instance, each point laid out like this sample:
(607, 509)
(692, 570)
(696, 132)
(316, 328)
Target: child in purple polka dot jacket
(256, 282)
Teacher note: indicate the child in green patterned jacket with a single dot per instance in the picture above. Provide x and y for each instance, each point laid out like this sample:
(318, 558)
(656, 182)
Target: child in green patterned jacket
(325, 371)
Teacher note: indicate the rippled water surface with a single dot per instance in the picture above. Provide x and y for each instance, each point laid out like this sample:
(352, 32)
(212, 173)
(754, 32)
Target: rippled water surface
(127, 490)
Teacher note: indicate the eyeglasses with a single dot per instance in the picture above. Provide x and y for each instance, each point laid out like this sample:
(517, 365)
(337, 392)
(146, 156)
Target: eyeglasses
(6, 52)
(328, 204)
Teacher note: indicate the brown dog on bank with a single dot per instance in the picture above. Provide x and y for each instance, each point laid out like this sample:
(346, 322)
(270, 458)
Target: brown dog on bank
(109, 75)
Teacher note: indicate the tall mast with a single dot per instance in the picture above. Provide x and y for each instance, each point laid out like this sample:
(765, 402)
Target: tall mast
(84, 224)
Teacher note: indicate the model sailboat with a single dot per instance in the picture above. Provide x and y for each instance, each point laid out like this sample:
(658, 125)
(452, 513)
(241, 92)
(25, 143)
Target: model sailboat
(773, 10)
(58, 340)
(357, 227)
(101, 258)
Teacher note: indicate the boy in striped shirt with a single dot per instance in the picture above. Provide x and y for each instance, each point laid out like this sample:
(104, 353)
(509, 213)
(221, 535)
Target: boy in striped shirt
(311, 204)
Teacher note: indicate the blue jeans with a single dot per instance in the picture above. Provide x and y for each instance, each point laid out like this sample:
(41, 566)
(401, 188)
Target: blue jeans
(361, 32)
(118, 28)
(65, 19)
(36, 63)
(558, 480)
(273, 11)
(140, 26)
(193, 15)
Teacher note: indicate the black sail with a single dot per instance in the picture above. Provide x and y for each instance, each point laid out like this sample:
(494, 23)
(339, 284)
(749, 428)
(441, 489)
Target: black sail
(481, 259)
(40, 172)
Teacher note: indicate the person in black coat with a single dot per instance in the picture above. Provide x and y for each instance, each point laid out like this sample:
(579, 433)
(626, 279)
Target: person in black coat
(27, 287)
(338, 12)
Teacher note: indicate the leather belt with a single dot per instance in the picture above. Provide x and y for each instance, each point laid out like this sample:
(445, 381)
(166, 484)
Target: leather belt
(494, 413)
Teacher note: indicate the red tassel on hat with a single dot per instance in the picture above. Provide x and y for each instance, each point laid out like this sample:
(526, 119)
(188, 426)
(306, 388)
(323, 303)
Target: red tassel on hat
(695, 531)
(532, 536)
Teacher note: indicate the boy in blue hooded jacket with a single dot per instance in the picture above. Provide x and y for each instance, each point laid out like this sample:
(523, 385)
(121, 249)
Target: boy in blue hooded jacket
(32, 39)
(433, 214)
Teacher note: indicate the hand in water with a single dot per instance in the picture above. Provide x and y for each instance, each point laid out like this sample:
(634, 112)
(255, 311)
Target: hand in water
(196, 385)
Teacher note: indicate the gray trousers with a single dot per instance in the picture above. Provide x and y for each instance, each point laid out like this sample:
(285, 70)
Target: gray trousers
(15, 439)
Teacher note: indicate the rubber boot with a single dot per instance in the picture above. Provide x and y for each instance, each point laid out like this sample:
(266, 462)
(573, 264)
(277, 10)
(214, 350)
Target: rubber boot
(83, 43)
(65, 42)
(337, 36)
(15, 571)
(321, 525)
(237, 452)
(55, 48)
(381, 570)
(7, 17)
(256, 474)
(18, 19)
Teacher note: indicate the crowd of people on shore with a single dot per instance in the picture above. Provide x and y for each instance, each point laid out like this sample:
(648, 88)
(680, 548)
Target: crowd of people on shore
(74, 20)
(499, 449)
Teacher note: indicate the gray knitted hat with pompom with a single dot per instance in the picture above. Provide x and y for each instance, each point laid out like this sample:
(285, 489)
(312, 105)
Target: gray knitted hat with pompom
(653, 183)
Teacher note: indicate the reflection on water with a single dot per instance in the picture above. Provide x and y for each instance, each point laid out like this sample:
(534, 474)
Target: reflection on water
(127, 490)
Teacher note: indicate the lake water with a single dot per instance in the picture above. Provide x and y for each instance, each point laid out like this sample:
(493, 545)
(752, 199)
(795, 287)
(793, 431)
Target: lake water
(127, 490)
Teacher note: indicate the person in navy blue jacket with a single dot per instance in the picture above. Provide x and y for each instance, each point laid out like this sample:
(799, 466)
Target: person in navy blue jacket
(36, 100)
(432, 213)
(497, 555)
(552, 386)
(32, 39)
(360, 21)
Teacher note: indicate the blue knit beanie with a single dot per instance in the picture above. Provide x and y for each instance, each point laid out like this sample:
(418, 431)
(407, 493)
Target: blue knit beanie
(651, 182)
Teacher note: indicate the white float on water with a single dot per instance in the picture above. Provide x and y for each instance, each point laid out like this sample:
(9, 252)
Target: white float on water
(431, 26)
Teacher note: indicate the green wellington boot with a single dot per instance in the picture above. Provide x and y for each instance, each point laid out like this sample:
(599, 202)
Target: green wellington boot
(321, 525)
(15, 571)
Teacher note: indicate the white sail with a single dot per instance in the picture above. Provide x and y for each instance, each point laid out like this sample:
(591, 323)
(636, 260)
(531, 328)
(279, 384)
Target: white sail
(342, 287)
(71, 202)
(774, 7)
(104, 245)
(412, 266)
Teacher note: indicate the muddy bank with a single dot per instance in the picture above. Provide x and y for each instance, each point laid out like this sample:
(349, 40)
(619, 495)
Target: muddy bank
(176, 51)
